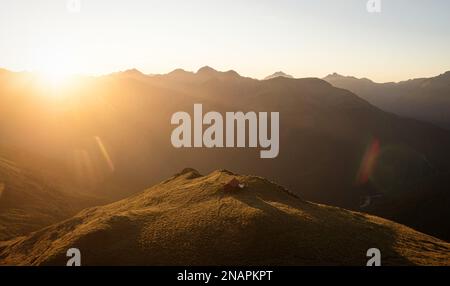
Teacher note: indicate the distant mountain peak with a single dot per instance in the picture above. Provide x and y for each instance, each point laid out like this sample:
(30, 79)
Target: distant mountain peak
(179, 72)
(336, 76)
(278, 74)
(232, 73)
(210, 72)
(133, 71)
(130, 72)
(206, 70)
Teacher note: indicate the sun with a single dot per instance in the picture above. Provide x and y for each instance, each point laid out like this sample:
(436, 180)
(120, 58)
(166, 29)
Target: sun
(55, 80)
(55, 76)
(54, 65)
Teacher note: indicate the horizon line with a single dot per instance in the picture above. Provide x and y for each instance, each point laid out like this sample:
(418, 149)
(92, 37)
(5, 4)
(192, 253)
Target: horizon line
(83, 74)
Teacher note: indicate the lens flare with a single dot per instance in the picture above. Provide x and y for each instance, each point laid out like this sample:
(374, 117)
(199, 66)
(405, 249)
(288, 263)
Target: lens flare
(368, 162)
(105, 153)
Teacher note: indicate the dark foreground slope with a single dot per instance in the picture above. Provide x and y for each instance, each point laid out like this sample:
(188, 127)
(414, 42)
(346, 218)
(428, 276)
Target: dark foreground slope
(422, 206)
(191, 219)
(28, 202)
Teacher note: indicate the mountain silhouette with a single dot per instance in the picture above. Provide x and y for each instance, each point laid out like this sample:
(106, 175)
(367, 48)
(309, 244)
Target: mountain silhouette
(278, 74)
(424, 99)
(207, 70)
(190, 219)
(110, 137)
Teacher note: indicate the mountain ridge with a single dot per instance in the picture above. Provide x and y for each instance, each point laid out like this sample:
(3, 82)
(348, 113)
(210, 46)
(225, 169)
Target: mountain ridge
(424, 99)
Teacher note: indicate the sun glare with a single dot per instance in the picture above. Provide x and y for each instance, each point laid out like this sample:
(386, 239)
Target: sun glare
(55, 81)
(54, 76)
(54, 65)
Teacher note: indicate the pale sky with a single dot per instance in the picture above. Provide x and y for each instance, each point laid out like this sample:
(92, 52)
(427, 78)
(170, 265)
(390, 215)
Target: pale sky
(409, 38)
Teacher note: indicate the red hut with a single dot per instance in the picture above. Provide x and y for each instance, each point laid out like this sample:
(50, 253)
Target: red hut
(233, 185)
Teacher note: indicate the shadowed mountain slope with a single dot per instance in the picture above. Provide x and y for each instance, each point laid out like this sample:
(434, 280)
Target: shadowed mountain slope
(426, 99)
(191, 219)
(29, 202)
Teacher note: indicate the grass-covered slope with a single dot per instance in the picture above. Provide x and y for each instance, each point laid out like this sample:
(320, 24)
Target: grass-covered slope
(191, 219)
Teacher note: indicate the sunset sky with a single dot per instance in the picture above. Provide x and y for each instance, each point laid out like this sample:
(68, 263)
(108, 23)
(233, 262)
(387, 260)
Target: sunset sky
(409, 38)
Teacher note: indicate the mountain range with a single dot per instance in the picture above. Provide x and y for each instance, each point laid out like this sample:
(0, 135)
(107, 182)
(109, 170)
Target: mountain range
(107, 138)
(425, 99)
